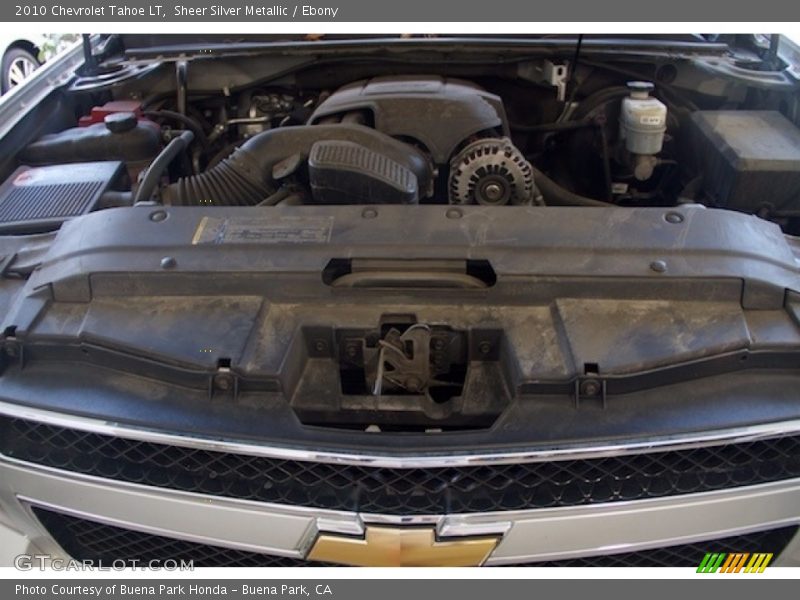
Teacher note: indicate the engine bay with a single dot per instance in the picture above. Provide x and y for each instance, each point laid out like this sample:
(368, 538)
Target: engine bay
(357, 240)
(549, 132)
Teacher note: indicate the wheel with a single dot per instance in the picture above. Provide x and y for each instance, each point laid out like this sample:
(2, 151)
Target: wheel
(18, 65)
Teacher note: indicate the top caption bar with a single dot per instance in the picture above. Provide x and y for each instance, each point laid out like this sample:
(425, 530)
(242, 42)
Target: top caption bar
(609, 11)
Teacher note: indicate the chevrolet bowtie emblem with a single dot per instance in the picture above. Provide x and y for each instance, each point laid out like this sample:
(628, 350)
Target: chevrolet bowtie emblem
(402, 547)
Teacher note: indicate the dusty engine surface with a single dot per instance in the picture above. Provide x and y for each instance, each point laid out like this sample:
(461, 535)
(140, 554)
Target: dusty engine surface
(434, 112)
(419, 139)
(381, 141)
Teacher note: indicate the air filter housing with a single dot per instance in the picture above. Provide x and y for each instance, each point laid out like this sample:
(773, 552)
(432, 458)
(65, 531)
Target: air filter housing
(42, 198)
(343, 172)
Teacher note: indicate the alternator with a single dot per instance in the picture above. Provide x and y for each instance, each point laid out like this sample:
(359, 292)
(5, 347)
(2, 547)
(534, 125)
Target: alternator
(491, 171)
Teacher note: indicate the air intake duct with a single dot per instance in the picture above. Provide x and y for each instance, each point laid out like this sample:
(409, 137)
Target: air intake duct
(247, 176)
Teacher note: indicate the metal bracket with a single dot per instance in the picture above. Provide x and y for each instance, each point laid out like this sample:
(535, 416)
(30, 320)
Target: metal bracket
(408, 370)
(546, 72)
(590, 387)
(223, 382)
(12, 351)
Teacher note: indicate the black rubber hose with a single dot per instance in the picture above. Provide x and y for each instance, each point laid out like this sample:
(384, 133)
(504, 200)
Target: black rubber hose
(234, 181)
(552, 127)
(159, 166)
(190, 123)
(245, 177)
(555, 195)
(598, 98)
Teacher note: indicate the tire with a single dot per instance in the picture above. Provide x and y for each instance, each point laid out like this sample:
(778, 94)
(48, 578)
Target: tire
(18, 64)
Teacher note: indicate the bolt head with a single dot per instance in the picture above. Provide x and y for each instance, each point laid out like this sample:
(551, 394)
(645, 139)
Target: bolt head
(413, 384)
(493, 192)
(223, 382)
(673, 217)
(590, 387)
(168, 262)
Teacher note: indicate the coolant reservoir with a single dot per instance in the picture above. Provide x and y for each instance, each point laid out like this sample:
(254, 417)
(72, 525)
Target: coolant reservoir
(643, 120)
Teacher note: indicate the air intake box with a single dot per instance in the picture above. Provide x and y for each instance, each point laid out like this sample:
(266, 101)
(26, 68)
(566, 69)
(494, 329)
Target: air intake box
(41, 198)
(343, 172)
(750, 159)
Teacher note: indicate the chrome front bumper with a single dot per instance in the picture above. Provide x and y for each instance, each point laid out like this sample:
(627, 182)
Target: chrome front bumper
(529, 535)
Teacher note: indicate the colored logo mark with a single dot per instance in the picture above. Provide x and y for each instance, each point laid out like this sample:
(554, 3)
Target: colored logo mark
(736, 562)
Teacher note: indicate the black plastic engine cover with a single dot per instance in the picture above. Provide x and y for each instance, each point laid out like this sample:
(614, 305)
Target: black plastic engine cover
(437, 112)
(240, 332)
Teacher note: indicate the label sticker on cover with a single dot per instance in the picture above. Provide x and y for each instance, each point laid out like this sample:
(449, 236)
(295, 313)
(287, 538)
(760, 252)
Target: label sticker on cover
(286, 230)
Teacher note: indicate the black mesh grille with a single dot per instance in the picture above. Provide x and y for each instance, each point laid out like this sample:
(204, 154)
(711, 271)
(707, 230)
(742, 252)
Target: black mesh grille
(83, 539)
(404, 491)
